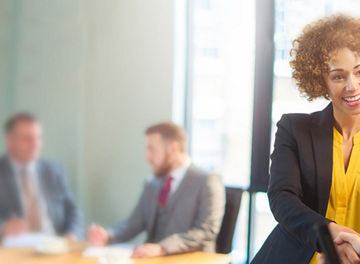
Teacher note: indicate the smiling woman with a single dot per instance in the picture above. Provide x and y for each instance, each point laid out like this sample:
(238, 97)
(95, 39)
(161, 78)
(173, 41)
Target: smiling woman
(315, 169)
(313, 50)
(344, 72)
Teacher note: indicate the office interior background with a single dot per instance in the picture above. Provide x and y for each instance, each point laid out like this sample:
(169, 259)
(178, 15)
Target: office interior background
(97, 73)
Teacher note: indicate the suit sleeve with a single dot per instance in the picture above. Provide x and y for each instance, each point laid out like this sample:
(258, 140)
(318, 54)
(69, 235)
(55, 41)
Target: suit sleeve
(2, 222)
(74, 224)
(132, 226)
(285, 189)
(207, 224)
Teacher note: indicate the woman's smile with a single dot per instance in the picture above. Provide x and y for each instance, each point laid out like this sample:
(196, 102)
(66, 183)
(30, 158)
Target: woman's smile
(352, 101)
(343, 81)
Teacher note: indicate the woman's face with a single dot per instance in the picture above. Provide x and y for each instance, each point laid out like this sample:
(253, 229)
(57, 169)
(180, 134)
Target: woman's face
(343, 81)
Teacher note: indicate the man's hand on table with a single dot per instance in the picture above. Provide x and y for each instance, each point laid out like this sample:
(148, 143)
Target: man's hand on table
(14, 226)
(71, 237)
(347, 244)
(98, 236)
(149, 250)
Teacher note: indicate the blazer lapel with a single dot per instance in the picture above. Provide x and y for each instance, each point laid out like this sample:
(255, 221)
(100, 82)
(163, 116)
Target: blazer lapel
(153, 204)
(172, 200)
(13, 188)
(184, 185)
(322, 139)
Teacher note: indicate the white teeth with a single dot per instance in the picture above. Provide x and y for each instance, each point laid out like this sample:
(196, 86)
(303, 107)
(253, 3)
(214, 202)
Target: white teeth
(352, 99)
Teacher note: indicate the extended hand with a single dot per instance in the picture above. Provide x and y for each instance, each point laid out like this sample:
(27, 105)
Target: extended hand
(353, 239)
(149, 250)
(346, 252)
(98, 236)
(336, 229)
(71, 237)
(14, 226)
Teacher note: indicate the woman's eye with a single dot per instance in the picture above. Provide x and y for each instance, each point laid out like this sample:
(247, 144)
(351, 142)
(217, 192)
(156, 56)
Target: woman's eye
(337, 77)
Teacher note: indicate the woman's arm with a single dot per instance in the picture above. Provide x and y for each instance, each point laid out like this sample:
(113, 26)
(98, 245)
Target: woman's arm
(285, 189)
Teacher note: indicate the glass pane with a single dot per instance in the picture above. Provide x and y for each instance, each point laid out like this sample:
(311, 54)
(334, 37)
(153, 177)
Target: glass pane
(222, 82)
(222, 71)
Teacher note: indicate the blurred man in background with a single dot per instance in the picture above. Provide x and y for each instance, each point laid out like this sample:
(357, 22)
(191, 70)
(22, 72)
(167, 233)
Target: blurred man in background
(34, 195)
(181, 208)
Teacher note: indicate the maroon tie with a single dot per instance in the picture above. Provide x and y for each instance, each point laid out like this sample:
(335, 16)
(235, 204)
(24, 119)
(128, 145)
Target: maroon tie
(165, 190)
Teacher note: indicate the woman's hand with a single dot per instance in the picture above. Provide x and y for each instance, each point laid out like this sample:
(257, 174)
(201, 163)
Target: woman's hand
(336, 229)
(98, 236)
(353, 239)
(347, 253)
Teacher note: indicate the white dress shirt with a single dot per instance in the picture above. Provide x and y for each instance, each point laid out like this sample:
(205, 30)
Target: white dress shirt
(178, 175)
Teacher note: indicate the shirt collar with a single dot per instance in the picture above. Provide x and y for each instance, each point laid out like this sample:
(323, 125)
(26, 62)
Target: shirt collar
(179, 172)
(17, 167)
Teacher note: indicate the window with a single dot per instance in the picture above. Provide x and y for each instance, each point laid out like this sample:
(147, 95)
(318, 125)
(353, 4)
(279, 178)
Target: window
(222, 87)
(220, 84)
(221, 73)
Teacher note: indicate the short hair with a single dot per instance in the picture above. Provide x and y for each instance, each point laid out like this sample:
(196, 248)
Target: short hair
(169, 131)
(13, 120)
(312, 49)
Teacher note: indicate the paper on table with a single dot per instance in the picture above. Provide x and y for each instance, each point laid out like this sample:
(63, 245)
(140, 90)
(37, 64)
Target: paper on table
(42, 243)
(32, 240)
(119, 253)
(121, 250)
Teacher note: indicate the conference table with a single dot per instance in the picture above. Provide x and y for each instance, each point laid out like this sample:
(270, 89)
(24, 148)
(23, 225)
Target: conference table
(29, 256)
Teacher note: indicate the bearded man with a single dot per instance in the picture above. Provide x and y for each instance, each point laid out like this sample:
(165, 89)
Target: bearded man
(181, 207)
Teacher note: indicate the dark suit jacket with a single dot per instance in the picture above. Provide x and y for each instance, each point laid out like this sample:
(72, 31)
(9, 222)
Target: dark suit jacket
(299, 189)
(62, 210)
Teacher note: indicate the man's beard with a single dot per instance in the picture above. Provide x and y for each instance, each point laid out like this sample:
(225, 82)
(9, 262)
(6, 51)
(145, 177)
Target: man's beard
(164, 169)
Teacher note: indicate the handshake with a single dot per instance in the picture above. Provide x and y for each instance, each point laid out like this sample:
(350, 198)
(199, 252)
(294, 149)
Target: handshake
(347, 244)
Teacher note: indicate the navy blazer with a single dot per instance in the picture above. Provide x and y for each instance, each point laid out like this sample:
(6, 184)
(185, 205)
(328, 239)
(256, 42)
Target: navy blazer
(62, 210)
(299, 188)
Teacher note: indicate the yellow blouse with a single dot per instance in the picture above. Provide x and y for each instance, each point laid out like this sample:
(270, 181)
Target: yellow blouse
(344, 201)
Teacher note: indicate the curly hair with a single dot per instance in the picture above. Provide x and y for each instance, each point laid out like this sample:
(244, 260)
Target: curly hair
(312, 49)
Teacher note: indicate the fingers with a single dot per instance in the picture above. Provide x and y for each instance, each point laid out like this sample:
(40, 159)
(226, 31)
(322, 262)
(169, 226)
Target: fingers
(14, 227)
(321, 259)
(149, 250)
(335, 229)
(353, 239)
(344, 237)
(135, 254)
(71, 237)
(347, 254)
(351, 255)
(97, 236)
(138, 252)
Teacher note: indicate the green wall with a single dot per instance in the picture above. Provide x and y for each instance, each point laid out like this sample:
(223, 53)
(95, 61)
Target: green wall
(96, 73)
